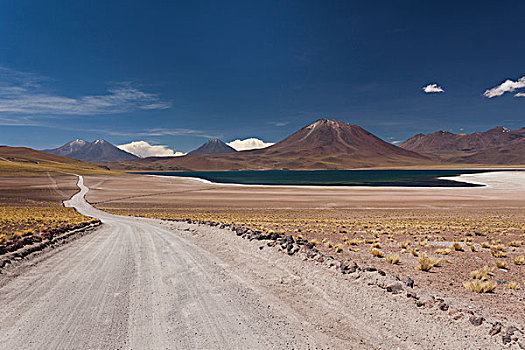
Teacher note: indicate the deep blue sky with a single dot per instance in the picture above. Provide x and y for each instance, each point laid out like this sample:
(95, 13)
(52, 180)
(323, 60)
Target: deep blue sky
(178, 72)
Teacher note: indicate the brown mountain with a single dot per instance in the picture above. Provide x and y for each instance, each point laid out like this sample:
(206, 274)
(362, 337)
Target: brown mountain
(96, 151)
(448, 144)
(325, 144)
(22, 161)
(214, 146)
(511, 154)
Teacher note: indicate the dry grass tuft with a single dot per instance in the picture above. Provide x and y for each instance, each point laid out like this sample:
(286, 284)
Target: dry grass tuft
(479, 286)
(392, 259)
(519, 260)
(377, 253)
(457, 247)
(501, 265)
(426, 263)
(482, 274)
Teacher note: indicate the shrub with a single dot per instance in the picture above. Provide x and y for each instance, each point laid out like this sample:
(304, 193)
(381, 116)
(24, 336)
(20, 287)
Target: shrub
(404, 244)
(443, 251)
(519, 260)
(479, 286)
(502, 265)
(392, 259)
(377, 253)
(426, 263)
(457, 247)
(482, 274)
(512, 285)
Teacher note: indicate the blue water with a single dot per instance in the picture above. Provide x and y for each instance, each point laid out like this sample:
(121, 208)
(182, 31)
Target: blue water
(411, 178)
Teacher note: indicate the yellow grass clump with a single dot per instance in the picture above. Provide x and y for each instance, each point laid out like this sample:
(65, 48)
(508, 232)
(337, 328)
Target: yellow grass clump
(479, 286)
(392, 259)
(482, 274)
(426, 263)
(519, 260)
(501, 265)
(377, 253)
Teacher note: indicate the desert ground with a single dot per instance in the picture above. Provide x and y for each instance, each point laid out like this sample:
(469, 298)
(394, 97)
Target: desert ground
(349, 222)
(176, 283)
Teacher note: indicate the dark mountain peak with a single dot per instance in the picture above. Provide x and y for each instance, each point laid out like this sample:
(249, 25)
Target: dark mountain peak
(96, 151)
(213, 146)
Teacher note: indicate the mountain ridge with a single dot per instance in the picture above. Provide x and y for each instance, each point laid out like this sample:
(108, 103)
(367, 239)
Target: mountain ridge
(100, 151)
(324, 144)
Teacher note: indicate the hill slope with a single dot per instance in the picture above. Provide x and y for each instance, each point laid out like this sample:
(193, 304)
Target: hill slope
(22, 161)
(214, 146)
(97, 151)
(325, 144)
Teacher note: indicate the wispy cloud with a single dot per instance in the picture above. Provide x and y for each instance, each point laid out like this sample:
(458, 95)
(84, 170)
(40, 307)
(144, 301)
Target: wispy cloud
(432, 89)
(144, 149)
(278, 123)
(250, 143)
(25, 93)
(507, 86)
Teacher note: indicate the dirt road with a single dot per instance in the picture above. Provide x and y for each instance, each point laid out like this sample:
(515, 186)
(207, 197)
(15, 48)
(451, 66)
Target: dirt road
(138, 284)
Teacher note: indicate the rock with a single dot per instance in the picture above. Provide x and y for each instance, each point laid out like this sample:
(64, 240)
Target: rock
(292, 248)
(320, 259)
(395, 288)
(458, 316)
(476, 321)
(348, 267)
(511, 330)
(409, 282)
(412, 295)
(370, 269)
(443, 306)
(506, 339)
(496, 328)
(420, 303)
(381, 272)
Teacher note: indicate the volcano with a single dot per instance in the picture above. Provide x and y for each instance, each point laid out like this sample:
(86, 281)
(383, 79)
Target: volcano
(214, 146)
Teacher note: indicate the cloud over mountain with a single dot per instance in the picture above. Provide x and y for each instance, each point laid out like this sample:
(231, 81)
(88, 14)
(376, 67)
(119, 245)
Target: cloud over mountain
(144, 149)
(249, 143)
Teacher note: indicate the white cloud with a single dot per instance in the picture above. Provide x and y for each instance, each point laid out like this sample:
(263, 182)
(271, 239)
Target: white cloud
(520, 94)
(247, 144)
(432, 88)
(22, 92)
(144, 149)
(278, 123)
(507, 86)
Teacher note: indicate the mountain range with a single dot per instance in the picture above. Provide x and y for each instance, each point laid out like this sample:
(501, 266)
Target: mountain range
(325, 144)
(100, 151)
(498, 146)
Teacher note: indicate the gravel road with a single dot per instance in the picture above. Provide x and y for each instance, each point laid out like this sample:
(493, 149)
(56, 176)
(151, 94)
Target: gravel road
(141, 284)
